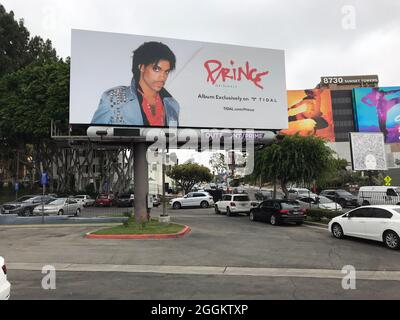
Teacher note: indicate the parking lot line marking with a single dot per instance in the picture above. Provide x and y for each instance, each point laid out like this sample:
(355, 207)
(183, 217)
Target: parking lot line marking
(211, 270)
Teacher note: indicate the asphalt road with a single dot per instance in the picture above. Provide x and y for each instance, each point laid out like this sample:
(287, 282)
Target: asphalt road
(215, 241)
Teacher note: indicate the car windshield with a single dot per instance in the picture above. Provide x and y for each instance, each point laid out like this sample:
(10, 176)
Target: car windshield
(103, 197)
(343, 193)
(58, 201)
(241, 198)
(289, 204)
(324, 200)
(24, 198)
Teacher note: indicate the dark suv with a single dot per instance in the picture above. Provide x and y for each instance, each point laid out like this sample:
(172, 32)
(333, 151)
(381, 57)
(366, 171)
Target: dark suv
(278, 211)
(125, 200)
(343, 197)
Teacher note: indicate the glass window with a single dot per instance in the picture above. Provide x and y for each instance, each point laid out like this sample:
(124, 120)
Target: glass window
(241, 198)
(198, 195)
(382, 214)
(289, 204)
(226, 198)
(361, 213)
(391, 192)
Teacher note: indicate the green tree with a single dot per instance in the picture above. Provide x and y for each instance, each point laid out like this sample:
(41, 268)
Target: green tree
(188, 174)
(217, 163)
(293, 159)
(17, 50)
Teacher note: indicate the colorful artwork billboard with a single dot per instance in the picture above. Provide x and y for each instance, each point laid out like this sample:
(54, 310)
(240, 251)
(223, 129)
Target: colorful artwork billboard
(378, 110)
(310, 113)
(367, 151)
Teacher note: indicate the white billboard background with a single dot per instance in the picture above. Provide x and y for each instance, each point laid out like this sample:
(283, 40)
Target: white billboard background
(101, 61)
(368, 151)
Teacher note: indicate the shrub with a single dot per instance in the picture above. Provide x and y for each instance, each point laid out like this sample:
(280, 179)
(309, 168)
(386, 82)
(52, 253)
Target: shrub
(318, 214)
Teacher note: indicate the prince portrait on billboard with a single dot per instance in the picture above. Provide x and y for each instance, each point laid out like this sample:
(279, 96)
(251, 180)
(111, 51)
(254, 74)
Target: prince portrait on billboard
(145, 102)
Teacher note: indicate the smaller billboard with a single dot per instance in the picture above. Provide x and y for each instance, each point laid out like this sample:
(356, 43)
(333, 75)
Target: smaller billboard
(367, 151)
(378, 110)
(310, 113)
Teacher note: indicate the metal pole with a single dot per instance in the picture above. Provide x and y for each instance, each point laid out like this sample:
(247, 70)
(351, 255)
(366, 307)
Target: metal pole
(17, 177)
(141, 187)
(164, 213)
(44, 190)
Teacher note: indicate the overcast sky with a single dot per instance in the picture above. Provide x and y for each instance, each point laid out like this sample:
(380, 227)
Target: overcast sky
(320, 37)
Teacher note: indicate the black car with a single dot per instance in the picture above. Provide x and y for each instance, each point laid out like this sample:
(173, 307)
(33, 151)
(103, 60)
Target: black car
(125, 200)
(278, 211)
(344, 198)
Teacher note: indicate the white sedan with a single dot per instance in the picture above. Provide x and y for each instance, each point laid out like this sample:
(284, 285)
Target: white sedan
(379, 223)
(5, 286)
(193, 199)
(60, 206)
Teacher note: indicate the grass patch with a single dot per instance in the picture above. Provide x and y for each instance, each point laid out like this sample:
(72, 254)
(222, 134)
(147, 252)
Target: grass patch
(151, 227)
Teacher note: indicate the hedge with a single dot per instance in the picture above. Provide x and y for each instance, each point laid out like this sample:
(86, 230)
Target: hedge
(318, 214)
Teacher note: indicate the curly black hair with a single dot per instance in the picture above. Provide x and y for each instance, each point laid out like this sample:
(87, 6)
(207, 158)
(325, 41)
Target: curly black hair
(151, 53)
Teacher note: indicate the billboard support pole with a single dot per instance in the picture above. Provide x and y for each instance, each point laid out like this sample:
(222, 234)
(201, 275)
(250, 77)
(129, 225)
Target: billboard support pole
(141, 187)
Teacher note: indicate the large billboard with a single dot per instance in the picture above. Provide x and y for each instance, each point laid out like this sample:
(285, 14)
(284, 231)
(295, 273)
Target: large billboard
(367, 151)
(130, 80)
(378, 110)
(310, 113)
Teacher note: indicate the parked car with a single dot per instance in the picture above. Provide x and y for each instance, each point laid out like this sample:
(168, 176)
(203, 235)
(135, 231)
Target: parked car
(85, 199)
(193, 199)
(104, 200)
(319, 202)
(378, 195)
(156, 200)
(295, 193)
(24, 205)
(234, 203)
(266, 194)
(278, 211)
(5, 286)
(125, 200)
(379, 223)
(343, 197)
(60, 206)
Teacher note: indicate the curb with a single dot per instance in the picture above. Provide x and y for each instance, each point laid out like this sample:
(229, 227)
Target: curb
(185, 230)
(325, 226)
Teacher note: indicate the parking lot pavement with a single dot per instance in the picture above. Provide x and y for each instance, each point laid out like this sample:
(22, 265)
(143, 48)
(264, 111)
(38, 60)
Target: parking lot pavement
(91, 285)
(214, 240)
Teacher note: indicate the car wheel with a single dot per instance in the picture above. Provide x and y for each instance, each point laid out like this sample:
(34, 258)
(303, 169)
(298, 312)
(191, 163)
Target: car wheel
(60, 212)
(273, 220)
(228, 212)
(26, 213)
(252, 216)
(78, 211)
(204, 204)
(391, 240)
(176, 205)
(337, 231)
(365, 203)
(299, 223)
(217, 210)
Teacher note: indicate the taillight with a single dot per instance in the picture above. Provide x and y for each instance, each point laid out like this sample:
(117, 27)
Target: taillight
(233, 204)
(4, 269)
(284, 211)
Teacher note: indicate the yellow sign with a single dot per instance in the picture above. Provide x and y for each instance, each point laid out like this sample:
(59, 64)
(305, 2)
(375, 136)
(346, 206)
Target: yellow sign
(387, 180)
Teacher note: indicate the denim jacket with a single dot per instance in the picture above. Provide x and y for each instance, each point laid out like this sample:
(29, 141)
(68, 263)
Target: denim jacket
(121, 106)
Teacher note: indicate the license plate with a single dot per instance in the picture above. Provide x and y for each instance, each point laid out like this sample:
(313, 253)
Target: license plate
(6, 211)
